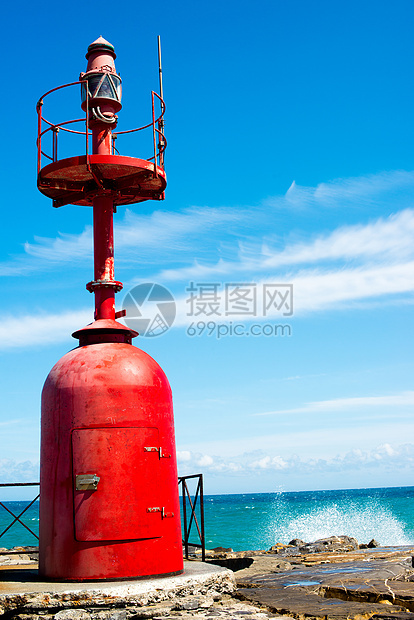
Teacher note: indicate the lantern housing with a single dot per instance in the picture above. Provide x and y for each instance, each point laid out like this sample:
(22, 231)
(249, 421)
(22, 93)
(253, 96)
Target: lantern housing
(101, 87)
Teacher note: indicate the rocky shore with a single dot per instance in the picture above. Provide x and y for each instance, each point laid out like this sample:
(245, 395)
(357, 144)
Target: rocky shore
(329, 579)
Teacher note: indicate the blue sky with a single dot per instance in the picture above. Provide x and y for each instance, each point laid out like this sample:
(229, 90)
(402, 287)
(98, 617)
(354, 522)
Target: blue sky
(289, 161)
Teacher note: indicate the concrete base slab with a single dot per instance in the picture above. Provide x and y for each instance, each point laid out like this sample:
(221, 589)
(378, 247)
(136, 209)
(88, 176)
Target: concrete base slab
(22, 591)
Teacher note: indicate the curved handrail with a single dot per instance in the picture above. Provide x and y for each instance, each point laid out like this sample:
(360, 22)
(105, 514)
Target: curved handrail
(40, 102)
(56, 127)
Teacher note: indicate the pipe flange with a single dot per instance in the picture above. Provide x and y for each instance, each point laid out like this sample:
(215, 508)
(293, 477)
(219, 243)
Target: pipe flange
(97, 284)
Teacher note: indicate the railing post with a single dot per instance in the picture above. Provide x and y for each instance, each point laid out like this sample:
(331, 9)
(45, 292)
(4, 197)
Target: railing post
(186, 531)
(39, 135)
(187, 526)
(203, 539)
(153, 135)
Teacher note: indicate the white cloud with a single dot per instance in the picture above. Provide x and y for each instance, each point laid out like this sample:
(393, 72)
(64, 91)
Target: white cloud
(403, 399)
(205, 461)
(383, 238)
(392, 458)
(18, 471)
(154, 236)
(350, 267)
(31, 330)
(354, 192)
(267, 462)
(201, 237)
(63, 248)
(183, 456)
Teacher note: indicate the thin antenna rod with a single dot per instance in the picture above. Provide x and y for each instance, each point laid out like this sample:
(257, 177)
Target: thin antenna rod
(160, 66)
(161, 143)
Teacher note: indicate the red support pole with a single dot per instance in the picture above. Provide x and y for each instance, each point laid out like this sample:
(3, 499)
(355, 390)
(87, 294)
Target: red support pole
(103, 234)
(103, 241)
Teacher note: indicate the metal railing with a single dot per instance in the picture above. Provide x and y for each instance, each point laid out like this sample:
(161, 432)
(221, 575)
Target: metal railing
(44, 126)
(186, 500)
(17, 517)
(189, 511)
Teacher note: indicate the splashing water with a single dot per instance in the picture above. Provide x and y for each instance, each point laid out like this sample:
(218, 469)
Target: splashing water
(371, 521)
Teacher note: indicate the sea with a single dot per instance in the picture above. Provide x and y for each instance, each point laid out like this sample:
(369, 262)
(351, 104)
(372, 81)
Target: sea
(259, 520)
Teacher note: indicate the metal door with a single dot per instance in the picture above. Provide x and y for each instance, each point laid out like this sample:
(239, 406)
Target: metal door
(115, 482)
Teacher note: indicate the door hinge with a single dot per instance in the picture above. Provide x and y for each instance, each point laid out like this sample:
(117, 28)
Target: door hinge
(164, 515)
(159, 450)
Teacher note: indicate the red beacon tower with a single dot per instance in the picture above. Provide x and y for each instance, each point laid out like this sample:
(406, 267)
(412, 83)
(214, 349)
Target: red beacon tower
(109, 506)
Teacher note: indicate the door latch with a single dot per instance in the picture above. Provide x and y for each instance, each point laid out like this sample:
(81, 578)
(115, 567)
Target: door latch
(87, 482)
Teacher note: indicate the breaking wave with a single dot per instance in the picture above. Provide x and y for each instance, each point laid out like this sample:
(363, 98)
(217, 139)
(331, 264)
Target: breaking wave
(362, 523)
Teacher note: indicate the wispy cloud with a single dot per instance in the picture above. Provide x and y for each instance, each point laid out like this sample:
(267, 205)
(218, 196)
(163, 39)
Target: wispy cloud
(260, 462)
(403, 399)
(18, 471)
(385, 238)
(156, 237)
(365, 248)
(204, 240)
(352, 193)
(29, 330)
(358, 265)
(313, 291)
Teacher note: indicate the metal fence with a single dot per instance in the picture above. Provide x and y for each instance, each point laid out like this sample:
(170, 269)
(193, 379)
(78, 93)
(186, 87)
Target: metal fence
(189, 511)
(16, 518)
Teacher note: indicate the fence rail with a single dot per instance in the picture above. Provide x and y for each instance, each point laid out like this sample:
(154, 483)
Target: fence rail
(186, 500)
(189, 511)
(17, 517)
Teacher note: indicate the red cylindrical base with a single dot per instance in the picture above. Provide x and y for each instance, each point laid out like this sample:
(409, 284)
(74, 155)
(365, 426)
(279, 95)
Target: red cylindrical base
(109, 506)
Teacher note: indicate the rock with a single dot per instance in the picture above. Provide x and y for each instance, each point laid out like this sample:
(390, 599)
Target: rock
(25, 617)
(297, 542)
(222, 550)
(333, 543)
(117, 614)
(372, 544)
(14, 559)
(187, 604)
(277, 548)
(72, 614)
(282, 565)
(206, 602)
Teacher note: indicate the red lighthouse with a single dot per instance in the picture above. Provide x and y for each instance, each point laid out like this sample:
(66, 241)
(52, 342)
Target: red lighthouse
(109, 498)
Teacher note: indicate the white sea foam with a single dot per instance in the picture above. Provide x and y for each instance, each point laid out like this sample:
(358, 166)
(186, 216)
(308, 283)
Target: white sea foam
(363, 523)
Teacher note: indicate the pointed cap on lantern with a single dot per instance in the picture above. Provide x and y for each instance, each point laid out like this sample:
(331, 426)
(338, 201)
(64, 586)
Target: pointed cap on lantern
(101, 56)
(101, 44)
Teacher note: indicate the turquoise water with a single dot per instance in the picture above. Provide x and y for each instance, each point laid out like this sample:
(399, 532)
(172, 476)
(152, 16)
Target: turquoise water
(259, 520)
